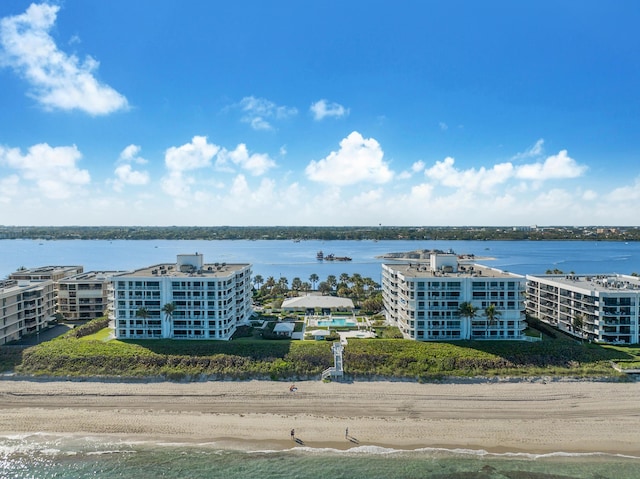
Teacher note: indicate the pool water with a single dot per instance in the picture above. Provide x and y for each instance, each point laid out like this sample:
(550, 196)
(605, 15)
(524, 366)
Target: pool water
(337, 322)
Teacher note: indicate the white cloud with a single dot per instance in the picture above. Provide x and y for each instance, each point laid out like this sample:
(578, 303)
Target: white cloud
(256, 164)
(323, 109)
(130, 154)
(9, 187)
(58, 80)
(481, 180)
(52, 169)
(178, 160)
(416, 167)
(124, 172)
(259, 111)
(533, 152)
(443, 126)
(126, 175)
(554, 167)
(626, 194)
(191, 156)
(358, 160)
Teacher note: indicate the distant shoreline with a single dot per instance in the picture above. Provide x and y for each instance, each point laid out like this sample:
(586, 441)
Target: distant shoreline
(325, 233)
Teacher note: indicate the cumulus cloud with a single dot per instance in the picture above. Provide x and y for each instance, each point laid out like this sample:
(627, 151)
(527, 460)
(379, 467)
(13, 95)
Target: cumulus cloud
(416, 167)
(259, 112)
(124, 172)
(256, 163)
(57, 80)
(554, 167)
(9, 187)
(183, 159)
(357, 160)
(482, 179)
(52, 169)
(323, 109)
(626, 194)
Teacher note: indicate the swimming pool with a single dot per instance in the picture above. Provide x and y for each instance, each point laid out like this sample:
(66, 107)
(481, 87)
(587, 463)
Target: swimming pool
(337, 322)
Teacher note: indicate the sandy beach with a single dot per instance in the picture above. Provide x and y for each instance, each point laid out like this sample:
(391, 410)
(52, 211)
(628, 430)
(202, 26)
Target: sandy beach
(536, 417)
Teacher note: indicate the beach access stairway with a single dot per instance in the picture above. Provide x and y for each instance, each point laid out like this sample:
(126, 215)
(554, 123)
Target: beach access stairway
(337, 371)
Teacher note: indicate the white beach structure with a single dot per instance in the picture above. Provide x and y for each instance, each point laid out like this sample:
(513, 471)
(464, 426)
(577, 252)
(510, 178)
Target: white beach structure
(207, 301)
(423, 299)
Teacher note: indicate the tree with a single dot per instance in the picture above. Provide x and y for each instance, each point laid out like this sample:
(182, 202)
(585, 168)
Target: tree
(492, 316)
(578, 323)
(283, 283)
(168, 310)
(296, 284)
(332, 281)
(344, 279)
(258, 280)
(144, 314)
(314, 278)
(467, 310)
(324, 287)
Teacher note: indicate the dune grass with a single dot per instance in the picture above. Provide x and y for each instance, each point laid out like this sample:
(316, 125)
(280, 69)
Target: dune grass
(245, 358)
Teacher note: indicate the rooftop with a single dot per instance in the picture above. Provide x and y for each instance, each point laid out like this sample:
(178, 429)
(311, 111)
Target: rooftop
(422, 270)
(92, 276)
(594, 282)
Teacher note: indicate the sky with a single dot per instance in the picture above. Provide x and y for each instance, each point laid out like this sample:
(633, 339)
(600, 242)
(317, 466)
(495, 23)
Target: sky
(332, 112)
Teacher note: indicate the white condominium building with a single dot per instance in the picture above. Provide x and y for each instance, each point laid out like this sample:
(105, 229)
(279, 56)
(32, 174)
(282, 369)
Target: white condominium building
(424, 299)
(85, 296)
(26, 307)
(601, 308)
(54, 273)
(185, 299)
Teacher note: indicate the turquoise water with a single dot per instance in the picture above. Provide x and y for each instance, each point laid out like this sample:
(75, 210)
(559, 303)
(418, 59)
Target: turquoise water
(336, 322)
(44, 457)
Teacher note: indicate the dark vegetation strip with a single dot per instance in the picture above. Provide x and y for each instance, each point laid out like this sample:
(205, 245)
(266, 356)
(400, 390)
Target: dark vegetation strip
(290, 360)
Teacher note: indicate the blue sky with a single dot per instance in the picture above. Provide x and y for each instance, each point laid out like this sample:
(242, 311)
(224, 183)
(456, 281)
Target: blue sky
(319, 112)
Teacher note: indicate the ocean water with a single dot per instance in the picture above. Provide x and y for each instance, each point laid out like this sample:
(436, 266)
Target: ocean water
(64, 457)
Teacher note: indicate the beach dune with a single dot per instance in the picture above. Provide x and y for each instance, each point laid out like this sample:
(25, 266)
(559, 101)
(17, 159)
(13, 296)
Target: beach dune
(519, 416)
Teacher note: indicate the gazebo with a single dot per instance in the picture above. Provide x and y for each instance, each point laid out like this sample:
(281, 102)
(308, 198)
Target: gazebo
(284, 329)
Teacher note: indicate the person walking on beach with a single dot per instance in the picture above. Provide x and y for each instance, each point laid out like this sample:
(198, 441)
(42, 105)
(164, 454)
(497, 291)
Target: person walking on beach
(293, 434)
(346, 433)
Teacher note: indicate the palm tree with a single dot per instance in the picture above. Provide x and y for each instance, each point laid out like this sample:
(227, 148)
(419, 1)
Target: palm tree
(144, 314)
(578, 323)
(332, 281)
(356, 279)
(258, 280)
(270, 283)
(467, 310)
(314, 279)
(492, 316)
(168, 310)
(344, 278)
(296, 284)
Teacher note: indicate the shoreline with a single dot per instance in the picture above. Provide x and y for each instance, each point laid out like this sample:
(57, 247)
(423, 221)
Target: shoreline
(499, 417)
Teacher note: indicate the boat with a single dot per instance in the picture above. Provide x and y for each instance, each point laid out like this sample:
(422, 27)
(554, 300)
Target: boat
(319, 256)
(333, 257)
